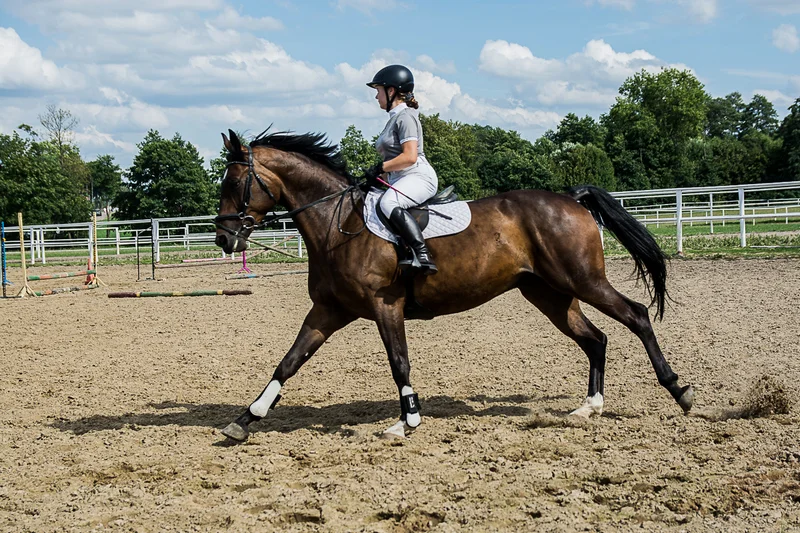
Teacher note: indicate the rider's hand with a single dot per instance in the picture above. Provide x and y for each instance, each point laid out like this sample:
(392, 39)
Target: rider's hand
(372, 174)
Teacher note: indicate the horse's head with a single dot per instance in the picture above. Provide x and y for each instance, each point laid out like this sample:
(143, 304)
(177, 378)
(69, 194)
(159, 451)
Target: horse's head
(248, 192)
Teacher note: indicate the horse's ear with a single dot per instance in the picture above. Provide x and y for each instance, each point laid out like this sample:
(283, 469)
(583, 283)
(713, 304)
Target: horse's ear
(237, 144)
(227, 144)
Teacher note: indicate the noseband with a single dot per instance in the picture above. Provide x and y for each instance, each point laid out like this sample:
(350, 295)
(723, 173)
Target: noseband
(248, 221)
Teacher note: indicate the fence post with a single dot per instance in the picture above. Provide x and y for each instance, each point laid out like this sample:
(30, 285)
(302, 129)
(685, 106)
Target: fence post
(33, 246)
(116, 233)
(41, 246)
(299, 246)
(742, 221)
(156, 248)
(679, 218)
(711, 206)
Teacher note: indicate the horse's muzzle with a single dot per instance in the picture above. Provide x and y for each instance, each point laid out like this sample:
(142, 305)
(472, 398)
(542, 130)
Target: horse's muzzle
(230, 243)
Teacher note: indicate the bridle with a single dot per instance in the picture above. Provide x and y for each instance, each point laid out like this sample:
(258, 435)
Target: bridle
(249, 222)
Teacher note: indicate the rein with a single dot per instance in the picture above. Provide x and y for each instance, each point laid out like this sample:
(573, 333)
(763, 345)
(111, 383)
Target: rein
(249, 222)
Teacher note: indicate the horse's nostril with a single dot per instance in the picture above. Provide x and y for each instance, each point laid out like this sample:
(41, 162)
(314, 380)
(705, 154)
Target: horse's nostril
(221, 240)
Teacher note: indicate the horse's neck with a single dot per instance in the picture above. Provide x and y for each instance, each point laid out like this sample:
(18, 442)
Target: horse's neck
(304, 184)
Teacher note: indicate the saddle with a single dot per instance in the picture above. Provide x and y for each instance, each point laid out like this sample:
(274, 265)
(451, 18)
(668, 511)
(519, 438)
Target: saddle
(421, 213)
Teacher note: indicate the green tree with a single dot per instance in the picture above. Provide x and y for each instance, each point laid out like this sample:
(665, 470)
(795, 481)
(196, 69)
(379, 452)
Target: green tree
(33, 181)
(60, 126)
(578, 131)
(359, 153)
(167, 178)
(451, 149)
(760, 116)
(578, 164)
(788, 165)
(105, 178)
(724, 116)
(650, 126)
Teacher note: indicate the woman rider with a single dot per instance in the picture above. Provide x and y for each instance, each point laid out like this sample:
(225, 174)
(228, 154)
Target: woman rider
(412, 178)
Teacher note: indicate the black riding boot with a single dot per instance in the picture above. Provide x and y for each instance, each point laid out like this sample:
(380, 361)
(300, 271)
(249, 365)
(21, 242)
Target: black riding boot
(405, 225)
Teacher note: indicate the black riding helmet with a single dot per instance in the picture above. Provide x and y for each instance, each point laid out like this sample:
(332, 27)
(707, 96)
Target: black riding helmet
(396, 76)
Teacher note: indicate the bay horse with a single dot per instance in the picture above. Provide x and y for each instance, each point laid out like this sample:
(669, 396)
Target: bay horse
(545, 244)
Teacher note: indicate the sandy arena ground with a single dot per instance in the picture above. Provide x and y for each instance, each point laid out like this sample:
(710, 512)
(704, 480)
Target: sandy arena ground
(110, 413)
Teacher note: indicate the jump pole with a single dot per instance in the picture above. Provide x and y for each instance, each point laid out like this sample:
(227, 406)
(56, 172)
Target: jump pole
(152, 294)
(245, 271)
(269, 275)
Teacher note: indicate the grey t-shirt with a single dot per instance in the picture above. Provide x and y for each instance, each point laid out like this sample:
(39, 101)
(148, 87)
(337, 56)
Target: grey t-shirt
(402, 127)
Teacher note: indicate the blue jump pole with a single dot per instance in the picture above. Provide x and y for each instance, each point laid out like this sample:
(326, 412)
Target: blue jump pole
(3, 254)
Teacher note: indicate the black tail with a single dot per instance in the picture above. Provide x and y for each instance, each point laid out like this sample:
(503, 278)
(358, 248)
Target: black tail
(651, 262)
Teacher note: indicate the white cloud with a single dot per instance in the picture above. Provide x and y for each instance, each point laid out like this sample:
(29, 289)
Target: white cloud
(564, 92)
(428, 63)
(367, 6)
(784, 7)
(198, 67)
(702, 11)
(785, 38)
(23, 67)
(91, 137)
(514, 61)
(589, 77)
(268, 67)
(624, 4)
(781, 100)
(230, 18)
(473, 110)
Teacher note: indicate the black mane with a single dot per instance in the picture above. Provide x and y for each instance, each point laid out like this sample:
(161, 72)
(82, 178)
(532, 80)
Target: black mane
(315, 146)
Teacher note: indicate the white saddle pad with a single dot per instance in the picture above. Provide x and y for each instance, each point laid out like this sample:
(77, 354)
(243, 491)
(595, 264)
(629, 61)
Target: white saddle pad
(438, 226)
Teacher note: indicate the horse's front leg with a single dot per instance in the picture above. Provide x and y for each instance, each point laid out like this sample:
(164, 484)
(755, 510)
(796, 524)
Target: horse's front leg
(391, 324)
(320, 323)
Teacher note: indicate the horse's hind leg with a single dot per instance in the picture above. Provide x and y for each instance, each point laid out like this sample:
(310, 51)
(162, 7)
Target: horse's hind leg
(565, 313)
(601, 295)
(320, 323)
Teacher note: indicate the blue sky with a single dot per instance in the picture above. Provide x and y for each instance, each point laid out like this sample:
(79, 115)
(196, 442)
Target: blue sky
(199, 67)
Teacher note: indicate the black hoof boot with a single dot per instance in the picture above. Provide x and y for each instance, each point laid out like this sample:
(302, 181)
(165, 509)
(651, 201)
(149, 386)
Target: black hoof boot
(237, 430)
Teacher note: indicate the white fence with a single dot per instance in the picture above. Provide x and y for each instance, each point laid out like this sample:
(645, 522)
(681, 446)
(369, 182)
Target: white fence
(705, 212)
(183, 231)
(169, 233)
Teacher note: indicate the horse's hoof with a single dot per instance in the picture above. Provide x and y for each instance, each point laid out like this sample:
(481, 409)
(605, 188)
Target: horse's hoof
(397, 431)
(592, 406)
(584, 411)
(687, 399)
(236, 432)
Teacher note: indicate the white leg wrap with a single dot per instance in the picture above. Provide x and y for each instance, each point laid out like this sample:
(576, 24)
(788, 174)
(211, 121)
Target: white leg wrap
(264, 402)
(413, 420)
(592, 405)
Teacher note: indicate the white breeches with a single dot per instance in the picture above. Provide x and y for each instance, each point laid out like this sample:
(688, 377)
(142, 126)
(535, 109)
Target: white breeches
(417, 185)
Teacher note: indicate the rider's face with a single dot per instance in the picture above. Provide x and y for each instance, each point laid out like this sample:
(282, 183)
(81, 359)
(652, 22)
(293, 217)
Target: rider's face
(380, 95)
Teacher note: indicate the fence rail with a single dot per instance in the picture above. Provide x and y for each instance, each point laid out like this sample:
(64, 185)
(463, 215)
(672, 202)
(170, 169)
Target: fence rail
(675, 212)
(116, 238)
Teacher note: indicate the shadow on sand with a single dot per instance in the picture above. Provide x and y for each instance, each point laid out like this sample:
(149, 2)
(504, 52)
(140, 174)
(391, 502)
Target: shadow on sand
(288, 418)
